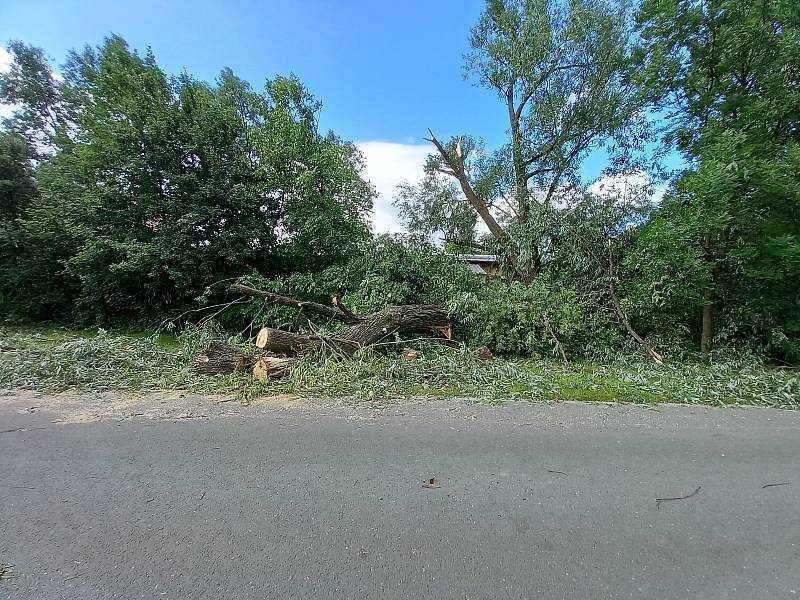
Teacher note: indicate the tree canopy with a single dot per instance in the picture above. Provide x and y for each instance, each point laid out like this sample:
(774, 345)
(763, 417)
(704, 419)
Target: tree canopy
(155, 187)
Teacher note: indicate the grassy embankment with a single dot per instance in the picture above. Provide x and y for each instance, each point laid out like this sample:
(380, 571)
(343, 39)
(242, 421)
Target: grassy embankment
(57, 360)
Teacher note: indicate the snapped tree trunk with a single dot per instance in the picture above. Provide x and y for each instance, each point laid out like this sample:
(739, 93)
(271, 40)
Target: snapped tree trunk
(282, 342)
(371, 329)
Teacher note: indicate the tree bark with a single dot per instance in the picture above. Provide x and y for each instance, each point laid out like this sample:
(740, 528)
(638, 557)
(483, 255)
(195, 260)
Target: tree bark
(220, 357)
(707, 335)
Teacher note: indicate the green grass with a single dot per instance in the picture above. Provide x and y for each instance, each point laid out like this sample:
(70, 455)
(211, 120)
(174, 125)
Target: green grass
(55, 360)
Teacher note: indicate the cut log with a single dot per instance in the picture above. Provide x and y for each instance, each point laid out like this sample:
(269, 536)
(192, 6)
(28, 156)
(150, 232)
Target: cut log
(220, 357)
(282, 342)
(273, 367)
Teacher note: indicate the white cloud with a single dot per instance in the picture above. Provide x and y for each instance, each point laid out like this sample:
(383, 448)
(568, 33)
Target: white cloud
(6, 110)
(389, 164)
(635, 187)
(5, 60)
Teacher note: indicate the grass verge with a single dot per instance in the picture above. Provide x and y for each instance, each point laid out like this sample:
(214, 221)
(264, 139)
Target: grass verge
(57, 361)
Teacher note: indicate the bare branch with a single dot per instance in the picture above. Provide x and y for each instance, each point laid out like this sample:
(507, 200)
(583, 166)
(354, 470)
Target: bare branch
(320, 309)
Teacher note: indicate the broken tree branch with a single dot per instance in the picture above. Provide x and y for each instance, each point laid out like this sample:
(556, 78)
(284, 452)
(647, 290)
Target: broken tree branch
(320, 309)
(620, 313)
(459, 172)
(337, 302)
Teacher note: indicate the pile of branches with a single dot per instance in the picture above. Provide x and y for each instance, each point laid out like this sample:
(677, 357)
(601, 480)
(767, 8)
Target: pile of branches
(281, 350)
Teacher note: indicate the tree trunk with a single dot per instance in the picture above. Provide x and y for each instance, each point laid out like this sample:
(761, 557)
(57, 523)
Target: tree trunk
(273, 367)
(220, 357)
(281, 342)
(707, 335)
(714, 256)
(376, 327)
(372, 329)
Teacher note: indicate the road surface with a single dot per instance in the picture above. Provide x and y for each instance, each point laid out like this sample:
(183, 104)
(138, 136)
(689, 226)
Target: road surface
(173, 496)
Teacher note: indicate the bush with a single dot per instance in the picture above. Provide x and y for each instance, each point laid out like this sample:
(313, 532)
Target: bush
(526, 321)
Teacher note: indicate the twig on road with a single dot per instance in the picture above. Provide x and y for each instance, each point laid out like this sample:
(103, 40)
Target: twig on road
(660, 500)
(769, 485)
(21, 429)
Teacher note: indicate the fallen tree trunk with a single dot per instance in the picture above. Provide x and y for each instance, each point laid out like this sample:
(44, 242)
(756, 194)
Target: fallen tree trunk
(371, 330)
(361, 332)
(273, 367)
(379, 326)
(220, 357)
(282, 342)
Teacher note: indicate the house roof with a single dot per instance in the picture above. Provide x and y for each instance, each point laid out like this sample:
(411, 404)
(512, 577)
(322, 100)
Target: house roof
(478, 258)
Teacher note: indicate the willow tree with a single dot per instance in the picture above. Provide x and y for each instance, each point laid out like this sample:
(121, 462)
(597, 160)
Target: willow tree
(560, 70)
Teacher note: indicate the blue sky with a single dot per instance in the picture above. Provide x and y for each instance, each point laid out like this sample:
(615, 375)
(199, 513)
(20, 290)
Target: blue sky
(384, 71)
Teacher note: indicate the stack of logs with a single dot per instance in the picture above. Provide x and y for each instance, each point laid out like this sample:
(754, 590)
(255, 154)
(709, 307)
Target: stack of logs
(281, 350)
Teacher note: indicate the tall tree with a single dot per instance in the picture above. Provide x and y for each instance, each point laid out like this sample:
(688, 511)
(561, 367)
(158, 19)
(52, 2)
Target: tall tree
(560, 70)
(45, 109)
(726, 73)
(160, 186)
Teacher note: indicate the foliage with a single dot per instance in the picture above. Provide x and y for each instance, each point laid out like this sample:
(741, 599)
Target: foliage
(724, 69)
(529, 320)
(161, 186)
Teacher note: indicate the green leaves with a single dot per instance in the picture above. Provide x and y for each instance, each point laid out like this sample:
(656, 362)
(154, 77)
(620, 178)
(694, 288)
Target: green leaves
(726, 70)
(165, 185)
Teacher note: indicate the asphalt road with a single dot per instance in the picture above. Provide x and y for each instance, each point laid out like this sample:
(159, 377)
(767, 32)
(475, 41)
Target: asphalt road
(186, 498)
